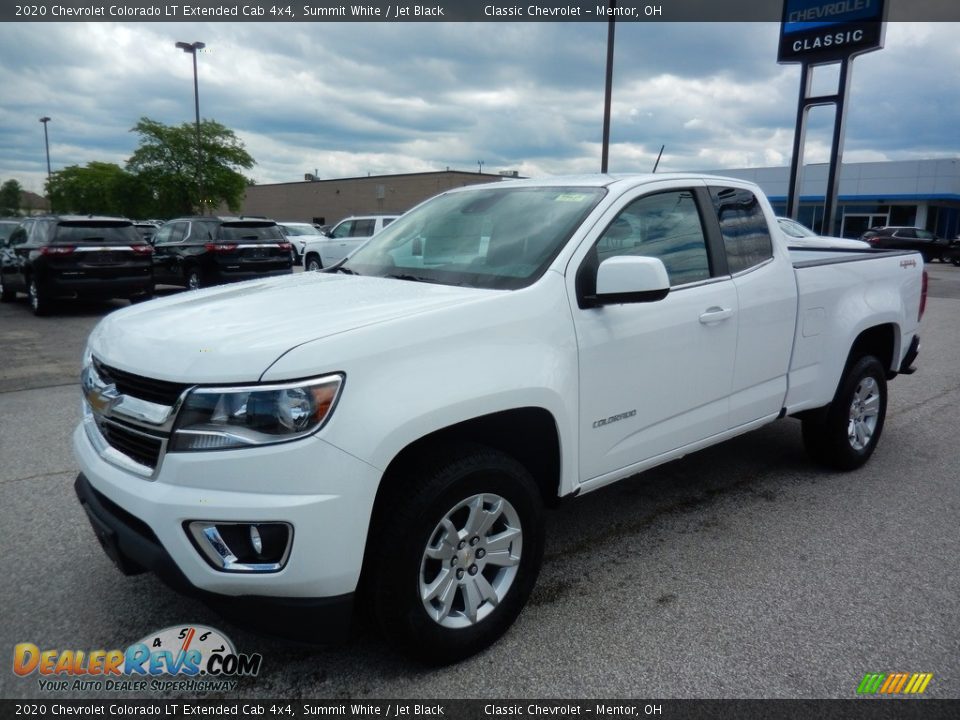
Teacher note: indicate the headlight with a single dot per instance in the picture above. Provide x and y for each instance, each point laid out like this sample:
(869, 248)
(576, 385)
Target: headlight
(234, 417)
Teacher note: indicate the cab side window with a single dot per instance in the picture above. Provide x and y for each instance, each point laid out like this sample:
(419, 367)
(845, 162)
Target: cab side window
(344, 229)
(665, 225)
(18, 236)
(178, 231)
(746, 237)
(162, 235)
(364, 228)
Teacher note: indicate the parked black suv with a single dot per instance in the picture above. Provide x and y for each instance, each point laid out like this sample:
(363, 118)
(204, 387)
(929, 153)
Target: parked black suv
(895, 237)
(76, 256)
(199, 251)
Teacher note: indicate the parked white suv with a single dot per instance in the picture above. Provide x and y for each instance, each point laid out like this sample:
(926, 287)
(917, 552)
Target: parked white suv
(348, 234)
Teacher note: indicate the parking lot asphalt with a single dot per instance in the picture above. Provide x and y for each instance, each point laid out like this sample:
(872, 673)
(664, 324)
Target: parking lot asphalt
(742, 571)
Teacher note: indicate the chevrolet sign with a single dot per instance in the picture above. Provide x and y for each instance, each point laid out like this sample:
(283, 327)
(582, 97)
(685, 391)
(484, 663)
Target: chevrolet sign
(823, 31)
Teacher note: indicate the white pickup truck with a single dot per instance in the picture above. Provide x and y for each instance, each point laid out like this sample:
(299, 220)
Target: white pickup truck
(496, 348)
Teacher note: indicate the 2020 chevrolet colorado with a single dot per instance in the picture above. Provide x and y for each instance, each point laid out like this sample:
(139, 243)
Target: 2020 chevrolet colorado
(494, 349)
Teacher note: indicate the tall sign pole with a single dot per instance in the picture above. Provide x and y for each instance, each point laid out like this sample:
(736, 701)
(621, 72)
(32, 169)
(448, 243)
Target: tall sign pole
(824, 32)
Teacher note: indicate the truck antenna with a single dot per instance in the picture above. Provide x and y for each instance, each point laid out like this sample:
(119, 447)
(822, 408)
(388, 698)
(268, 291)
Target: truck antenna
(659, 154)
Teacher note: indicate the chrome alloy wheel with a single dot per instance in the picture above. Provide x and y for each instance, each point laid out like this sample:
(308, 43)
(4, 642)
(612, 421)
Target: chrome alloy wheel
(470, 561)
(33, 292)
(193, 280)
(864, 411)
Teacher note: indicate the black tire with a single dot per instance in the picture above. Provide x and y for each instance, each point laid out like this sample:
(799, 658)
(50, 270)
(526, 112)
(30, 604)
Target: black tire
(837, 440)
(193, 278)
(312, 263)
(7, 293)
(39, 298)
(408, 523)
(956, 261)
(143, 297)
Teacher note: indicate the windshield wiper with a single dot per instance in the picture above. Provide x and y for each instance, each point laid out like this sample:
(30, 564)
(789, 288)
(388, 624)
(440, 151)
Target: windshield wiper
(339, 267)
(418, 278)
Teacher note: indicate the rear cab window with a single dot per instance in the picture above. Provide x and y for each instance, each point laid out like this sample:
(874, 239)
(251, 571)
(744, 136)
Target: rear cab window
(743, 226)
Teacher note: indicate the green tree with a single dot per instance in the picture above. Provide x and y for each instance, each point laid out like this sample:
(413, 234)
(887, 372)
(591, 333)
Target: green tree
(10, 197)
(100, 188)
(166, 164)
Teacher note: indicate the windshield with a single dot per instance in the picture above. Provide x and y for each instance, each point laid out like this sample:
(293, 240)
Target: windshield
(485, 238)
(300, 230)
(795, 229)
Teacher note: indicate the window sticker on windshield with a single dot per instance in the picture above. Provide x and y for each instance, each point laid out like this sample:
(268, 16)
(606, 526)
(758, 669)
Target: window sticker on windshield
(570, 197)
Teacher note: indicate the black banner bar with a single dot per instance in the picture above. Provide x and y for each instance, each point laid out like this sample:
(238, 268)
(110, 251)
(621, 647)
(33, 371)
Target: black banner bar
(436, 10)
(859, 709)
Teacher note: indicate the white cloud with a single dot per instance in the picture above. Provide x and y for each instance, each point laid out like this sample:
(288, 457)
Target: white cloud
(348, 99)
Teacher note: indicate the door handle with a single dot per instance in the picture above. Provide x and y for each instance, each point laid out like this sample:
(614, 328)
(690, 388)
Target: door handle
(715, 314)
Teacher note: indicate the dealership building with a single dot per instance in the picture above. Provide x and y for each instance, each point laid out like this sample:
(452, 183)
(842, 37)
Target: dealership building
(328, 201)
(920, 193)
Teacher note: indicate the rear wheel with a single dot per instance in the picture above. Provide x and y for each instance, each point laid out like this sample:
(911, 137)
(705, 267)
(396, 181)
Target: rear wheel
(956, 261)
(39, 298)
(846, 434)
(455, 553)
(313, 263)
(194, 279)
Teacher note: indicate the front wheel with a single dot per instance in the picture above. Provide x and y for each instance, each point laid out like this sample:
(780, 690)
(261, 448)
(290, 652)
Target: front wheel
(7, 293)
(457, 548)
(845, 436)
(313, 264)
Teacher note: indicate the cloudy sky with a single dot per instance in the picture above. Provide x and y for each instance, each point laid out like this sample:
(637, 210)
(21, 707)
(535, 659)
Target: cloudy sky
(346, 99)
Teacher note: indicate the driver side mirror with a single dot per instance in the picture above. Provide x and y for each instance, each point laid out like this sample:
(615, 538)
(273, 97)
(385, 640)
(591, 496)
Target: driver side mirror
(630, 279)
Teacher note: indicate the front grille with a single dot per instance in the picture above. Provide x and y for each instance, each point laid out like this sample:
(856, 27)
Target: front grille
(142, 448)
(162, 392)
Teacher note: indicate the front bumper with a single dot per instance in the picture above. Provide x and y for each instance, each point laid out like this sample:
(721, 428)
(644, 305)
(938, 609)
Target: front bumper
(324, 494)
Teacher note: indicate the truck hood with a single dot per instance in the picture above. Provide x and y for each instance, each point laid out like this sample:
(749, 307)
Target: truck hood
(235, 332)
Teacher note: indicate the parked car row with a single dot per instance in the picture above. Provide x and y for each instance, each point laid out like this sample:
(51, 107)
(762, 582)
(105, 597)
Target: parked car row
(888, 237)
(68, 256)
(894, 237)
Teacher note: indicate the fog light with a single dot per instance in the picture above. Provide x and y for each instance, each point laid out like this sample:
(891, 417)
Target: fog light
(242, 546)
(255, 540)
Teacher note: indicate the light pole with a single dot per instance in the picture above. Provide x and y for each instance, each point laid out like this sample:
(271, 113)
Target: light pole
(192, 48)
(46, 142)
(480, 167)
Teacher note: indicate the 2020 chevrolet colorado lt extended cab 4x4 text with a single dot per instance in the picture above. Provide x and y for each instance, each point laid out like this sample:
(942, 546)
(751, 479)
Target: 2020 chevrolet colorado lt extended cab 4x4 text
(495, 348)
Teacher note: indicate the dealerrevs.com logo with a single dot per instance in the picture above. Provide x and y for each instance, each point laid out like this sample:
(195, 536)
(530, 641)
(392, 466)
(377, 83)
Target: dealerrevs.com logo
(182, 657)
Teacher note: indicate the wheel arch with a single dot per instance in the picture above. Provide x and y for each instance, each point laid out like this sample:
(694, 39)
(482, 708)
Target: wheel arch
(881, 341)
(529, 434)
